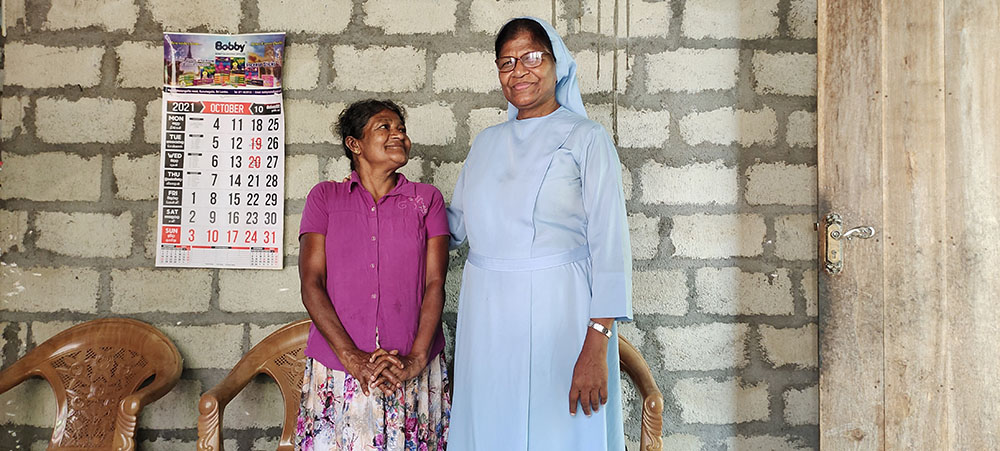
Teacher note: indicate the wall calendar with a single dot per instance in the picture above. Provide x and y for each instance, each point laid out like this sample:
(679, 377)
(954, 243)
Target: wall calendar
(222, 152)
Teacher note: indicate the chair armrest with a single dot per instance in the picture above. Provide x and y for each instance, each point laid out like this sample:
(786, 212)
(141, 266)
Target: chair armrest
(11, 377)
(652, 420)
(22, 369)
(652, 399)
(131, 405)
(161, 385)
(213, 403)
(210, 423)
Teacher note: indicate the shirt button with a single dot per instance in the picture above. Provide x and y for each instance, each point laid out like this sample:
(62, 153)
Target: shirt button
(373, 208)
(374, 295)
(373, 237)
(373, 265)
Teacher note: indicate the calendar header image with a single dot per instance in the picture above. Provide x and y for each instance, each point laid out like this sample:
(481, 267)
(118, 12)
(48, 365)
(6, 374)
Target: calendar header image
(242, 61)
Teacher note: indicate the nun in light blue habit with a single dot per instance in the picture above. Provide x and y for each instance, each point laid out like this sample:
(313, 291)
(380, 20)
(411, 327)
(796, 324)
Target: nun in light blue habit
(549, 271)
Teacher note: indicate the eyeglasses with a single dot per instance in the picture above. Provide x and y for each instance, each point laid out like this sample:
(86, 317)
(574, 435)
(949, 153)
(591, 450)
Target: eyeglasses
(529, 60)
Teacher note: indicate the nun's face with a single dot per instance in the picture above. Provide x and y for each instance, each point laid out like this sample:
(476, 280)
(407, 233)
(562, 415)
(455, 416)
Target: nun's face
(531, 89)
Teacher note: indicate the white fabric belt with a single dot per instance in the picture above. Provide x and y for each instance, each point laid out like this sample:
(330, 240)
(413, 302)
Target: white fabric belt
(529, 264)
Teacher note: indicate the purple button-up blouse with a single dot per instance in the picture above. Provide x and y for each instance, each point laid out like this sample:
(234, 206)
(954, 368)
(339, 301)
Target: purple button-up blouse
(376, 256)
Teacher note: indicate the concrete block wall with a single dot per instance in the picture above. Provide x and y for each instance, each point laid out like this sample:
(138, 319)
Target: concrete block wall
(711, 102)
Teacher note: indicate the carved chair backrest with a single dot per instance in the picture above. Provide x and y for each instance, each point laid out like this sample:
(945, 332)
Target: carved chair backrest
(92, 367)
(280, 356)
(285, 362)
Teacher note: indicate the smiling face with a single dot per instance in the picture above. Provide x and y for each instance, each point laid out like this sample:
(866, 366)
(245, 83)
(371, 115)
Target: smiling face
(383, 145)
(531, 90)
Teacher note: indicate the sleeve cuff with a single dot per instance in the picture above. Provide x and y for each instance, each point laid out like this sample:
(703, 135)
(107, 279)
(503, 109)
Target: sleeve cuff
(611, 297)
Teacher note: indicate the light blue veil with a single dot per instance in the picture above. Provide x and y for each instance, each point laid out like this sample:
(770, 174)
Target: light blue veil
(567, 87)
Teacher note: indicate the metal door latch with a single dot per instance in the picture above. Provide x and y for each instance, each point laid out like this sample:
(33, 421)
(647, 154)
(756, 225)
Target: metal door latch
(836, 236)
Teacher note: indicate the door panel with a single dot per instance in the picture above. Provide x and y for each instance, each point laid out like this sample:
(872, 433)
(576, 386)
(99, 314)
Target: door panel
(972, 110)
(909, 142)
(915, 223)
(849, 173)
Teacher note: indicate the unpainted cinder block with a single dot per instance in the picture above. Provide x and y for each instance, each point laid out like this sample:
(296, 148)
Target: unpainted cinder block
(108, 15)
(728, 401)
(260, 290)
(718, 236)
(13, 228)
(305, 16)
(766, 443)
(785, 73)
(411, 16)
(660, 291)
(301, 174)
(301, 67)
(88, 120)
(466, 71)
(137, 178)
(142, 290)
(697, 184)
(798, 347)
(596, 71)
(729, 19)
(802, 19)
(731, 292)
(45, 289)
(379, 68)
(489, 15)
(704, 347)
(692, 70)
(313, 121)
(726, 126)
(217, 16)
(51, 176)
(23, 62)
(795, 238)
(431, 124)
(85, 234)
(801, 129)
(644, 231)
(134, 60)
(215, 346)
(802, 406)
(781, 183)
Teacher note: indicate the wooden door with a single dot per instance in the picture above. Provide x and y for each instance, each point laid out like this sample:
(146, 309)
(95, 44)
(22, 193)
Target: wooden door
(909, 143)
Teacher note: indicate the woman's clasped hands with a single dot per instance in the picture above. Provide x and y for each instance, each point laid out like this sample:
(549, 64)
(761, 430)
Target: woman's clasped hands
(383, 369)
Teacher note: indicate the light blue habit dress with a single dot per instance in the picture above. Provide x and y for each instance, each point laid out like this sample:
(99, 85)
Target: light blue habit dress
(540, 202)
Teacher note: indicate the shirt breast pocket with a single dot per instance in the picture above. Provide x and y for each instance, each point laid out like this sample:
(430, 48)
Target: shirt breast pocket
(409, 228)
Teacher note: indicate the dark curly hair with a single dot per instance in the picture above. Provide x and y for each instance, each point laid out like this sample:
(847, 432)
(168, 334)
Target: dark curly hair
(353, 119)
(523, 25)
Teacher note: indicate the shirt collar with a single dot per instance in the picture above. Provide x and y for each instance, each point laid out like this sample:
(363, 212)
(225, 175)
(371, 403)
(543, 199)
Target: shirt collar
(403, 186)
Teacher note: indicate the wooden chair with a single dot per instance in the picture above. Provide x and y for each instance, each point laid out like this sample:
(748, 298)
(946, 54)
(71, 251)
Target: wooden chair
(635, 366)
(96, 370)
(279, 356)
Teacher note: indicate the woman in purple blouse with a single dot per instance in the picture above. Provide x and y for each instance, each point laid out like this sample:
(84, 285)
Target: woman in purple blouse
(372, 263)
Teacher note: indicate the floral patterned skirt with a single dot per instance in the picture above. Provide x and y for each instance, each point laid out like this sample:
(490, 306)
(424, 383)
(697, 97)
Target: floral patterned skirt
(336, 415)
